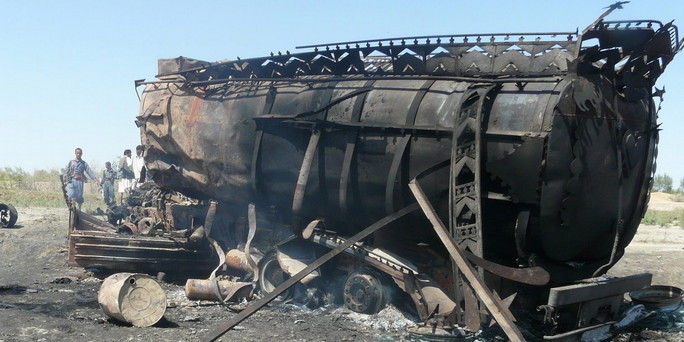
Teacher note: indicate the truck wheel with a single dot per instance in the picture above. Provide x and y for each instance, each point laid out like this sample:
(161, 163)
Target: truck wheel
(8, 215)
(363, 291)
(271, 275)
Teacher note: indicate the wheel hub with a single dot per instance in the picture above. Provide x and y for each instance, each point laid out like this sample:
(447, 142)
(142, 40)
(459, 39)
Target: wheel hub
(363, 293)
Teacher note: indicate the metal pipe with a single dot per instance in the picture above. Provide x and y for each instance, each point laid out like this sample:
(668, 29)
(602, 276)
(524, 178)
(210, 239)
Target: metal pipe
(522, 79)
(552, 34)
(203, 289)
(236, 260)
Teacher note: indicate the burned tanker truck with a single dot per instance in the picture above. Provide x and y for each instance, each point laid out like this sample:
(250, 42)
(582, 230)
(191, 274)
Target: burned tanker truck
(459, 169)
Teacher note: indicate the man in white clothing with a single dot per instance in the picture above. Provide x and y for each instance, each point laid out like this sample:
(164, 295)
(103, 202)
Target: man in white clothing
(125, 174)
(138, 167)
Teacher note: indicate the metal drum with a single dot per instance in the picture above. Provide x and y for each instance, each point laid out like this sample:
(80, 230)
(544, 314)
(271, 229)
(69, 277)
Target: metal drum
(132, 298)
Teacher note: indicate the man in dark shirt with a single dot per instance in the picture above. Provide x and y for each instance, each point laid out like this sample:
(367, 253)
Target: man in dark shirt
(108, 177)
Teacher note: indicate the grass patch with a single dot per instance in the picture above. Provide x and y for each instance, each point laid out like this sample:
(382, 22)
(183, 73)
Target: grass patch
(664, 218)
(51, 199)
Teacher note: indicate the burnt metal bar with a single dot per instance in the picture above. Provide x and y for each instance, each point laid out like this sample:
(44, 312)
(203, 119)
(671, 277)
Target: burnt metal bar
(254, 307)
(417, 100)
(353, 126)
(471, 308)
(611, 8)
(251, 218)
(360, 100)
(303, 179)
(399, 155)
(254, 173)
(517, 79)
(391, 267)
(573, 335)
(352, 137)
(528, 275)
(346, 169)
(571, 294)
(326, 99)
(496, 308)
(413, 38)
(400, 152)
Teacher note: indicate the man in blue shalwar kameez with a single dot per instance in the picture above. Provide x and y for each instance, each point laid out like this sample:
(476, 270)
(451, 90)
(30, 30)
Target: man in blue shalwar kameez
(76, 171)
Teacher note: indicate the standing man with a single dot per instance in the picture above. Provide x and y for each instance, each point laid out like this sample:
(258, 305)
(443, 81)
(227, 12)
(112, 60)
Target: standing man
(76, 171)
(108, 177)
(125, 174)
(138, 166)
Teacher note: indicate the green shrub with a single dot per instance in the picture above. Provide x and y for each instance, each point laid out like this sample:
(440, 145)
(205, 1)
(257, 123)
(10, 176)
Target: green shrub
(41, 189)
(664, 218)
(55, 199)
(46, 175)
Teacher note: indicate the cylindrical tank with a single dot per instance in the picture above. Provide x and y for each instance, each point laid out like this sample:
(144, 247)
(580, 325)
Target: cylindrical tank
(573, 153)
(551, 139)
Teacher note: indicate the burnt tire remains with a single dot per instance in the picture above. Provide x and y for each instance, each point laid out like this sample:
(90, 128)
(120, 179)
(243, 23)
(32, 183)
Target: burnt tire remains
(8, 215)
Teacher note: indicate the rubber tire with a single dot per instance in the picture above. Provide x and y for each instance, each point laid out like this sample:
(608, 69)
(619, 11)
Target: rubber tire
(12, 211)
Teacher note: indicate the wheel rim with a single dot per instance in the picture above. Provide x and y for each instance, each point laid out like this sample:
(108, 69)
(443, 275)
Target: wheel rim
(363, 293)
(271, 275)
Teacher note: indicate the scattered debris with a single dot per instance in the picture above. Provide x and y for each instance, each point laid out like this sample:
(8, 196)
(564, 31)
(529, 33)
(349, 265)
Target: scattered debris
(63, 280)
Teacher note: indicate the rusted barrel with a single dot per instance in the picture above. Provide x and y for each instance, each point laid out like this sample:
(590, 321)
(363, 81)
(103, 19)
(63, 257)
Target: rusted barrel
(203, 289)
(132, 298)
(237, 260)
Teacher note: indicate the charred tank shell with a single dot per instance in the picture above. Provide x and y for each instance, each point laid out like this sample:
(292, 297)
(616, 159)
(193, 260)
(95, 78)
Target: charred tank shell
(568, 135)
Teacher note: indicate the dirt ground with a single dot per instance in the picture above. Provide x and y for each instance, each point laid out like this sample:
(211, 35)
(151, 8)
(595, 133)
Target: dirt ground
(655, 249)
(43, 299)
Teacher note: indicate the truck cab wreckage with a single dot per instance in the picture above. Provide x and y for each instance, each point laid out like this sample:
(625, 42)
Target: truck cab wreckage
(460, 169)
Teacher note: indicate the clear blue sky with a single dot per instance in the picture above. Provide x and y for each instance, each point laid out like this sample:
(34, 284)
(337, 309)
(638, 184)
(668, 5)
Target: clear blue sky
(68, 66)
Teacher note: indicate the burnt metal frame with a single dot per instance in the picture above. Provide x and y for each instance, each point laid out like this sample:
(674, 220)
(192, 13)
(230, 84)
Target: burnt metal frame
(403, 275)
(497, 57)
(529, 275)
(466, 198)
(252, 308)
(493, 304)
(584, 300)
(426, 56)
